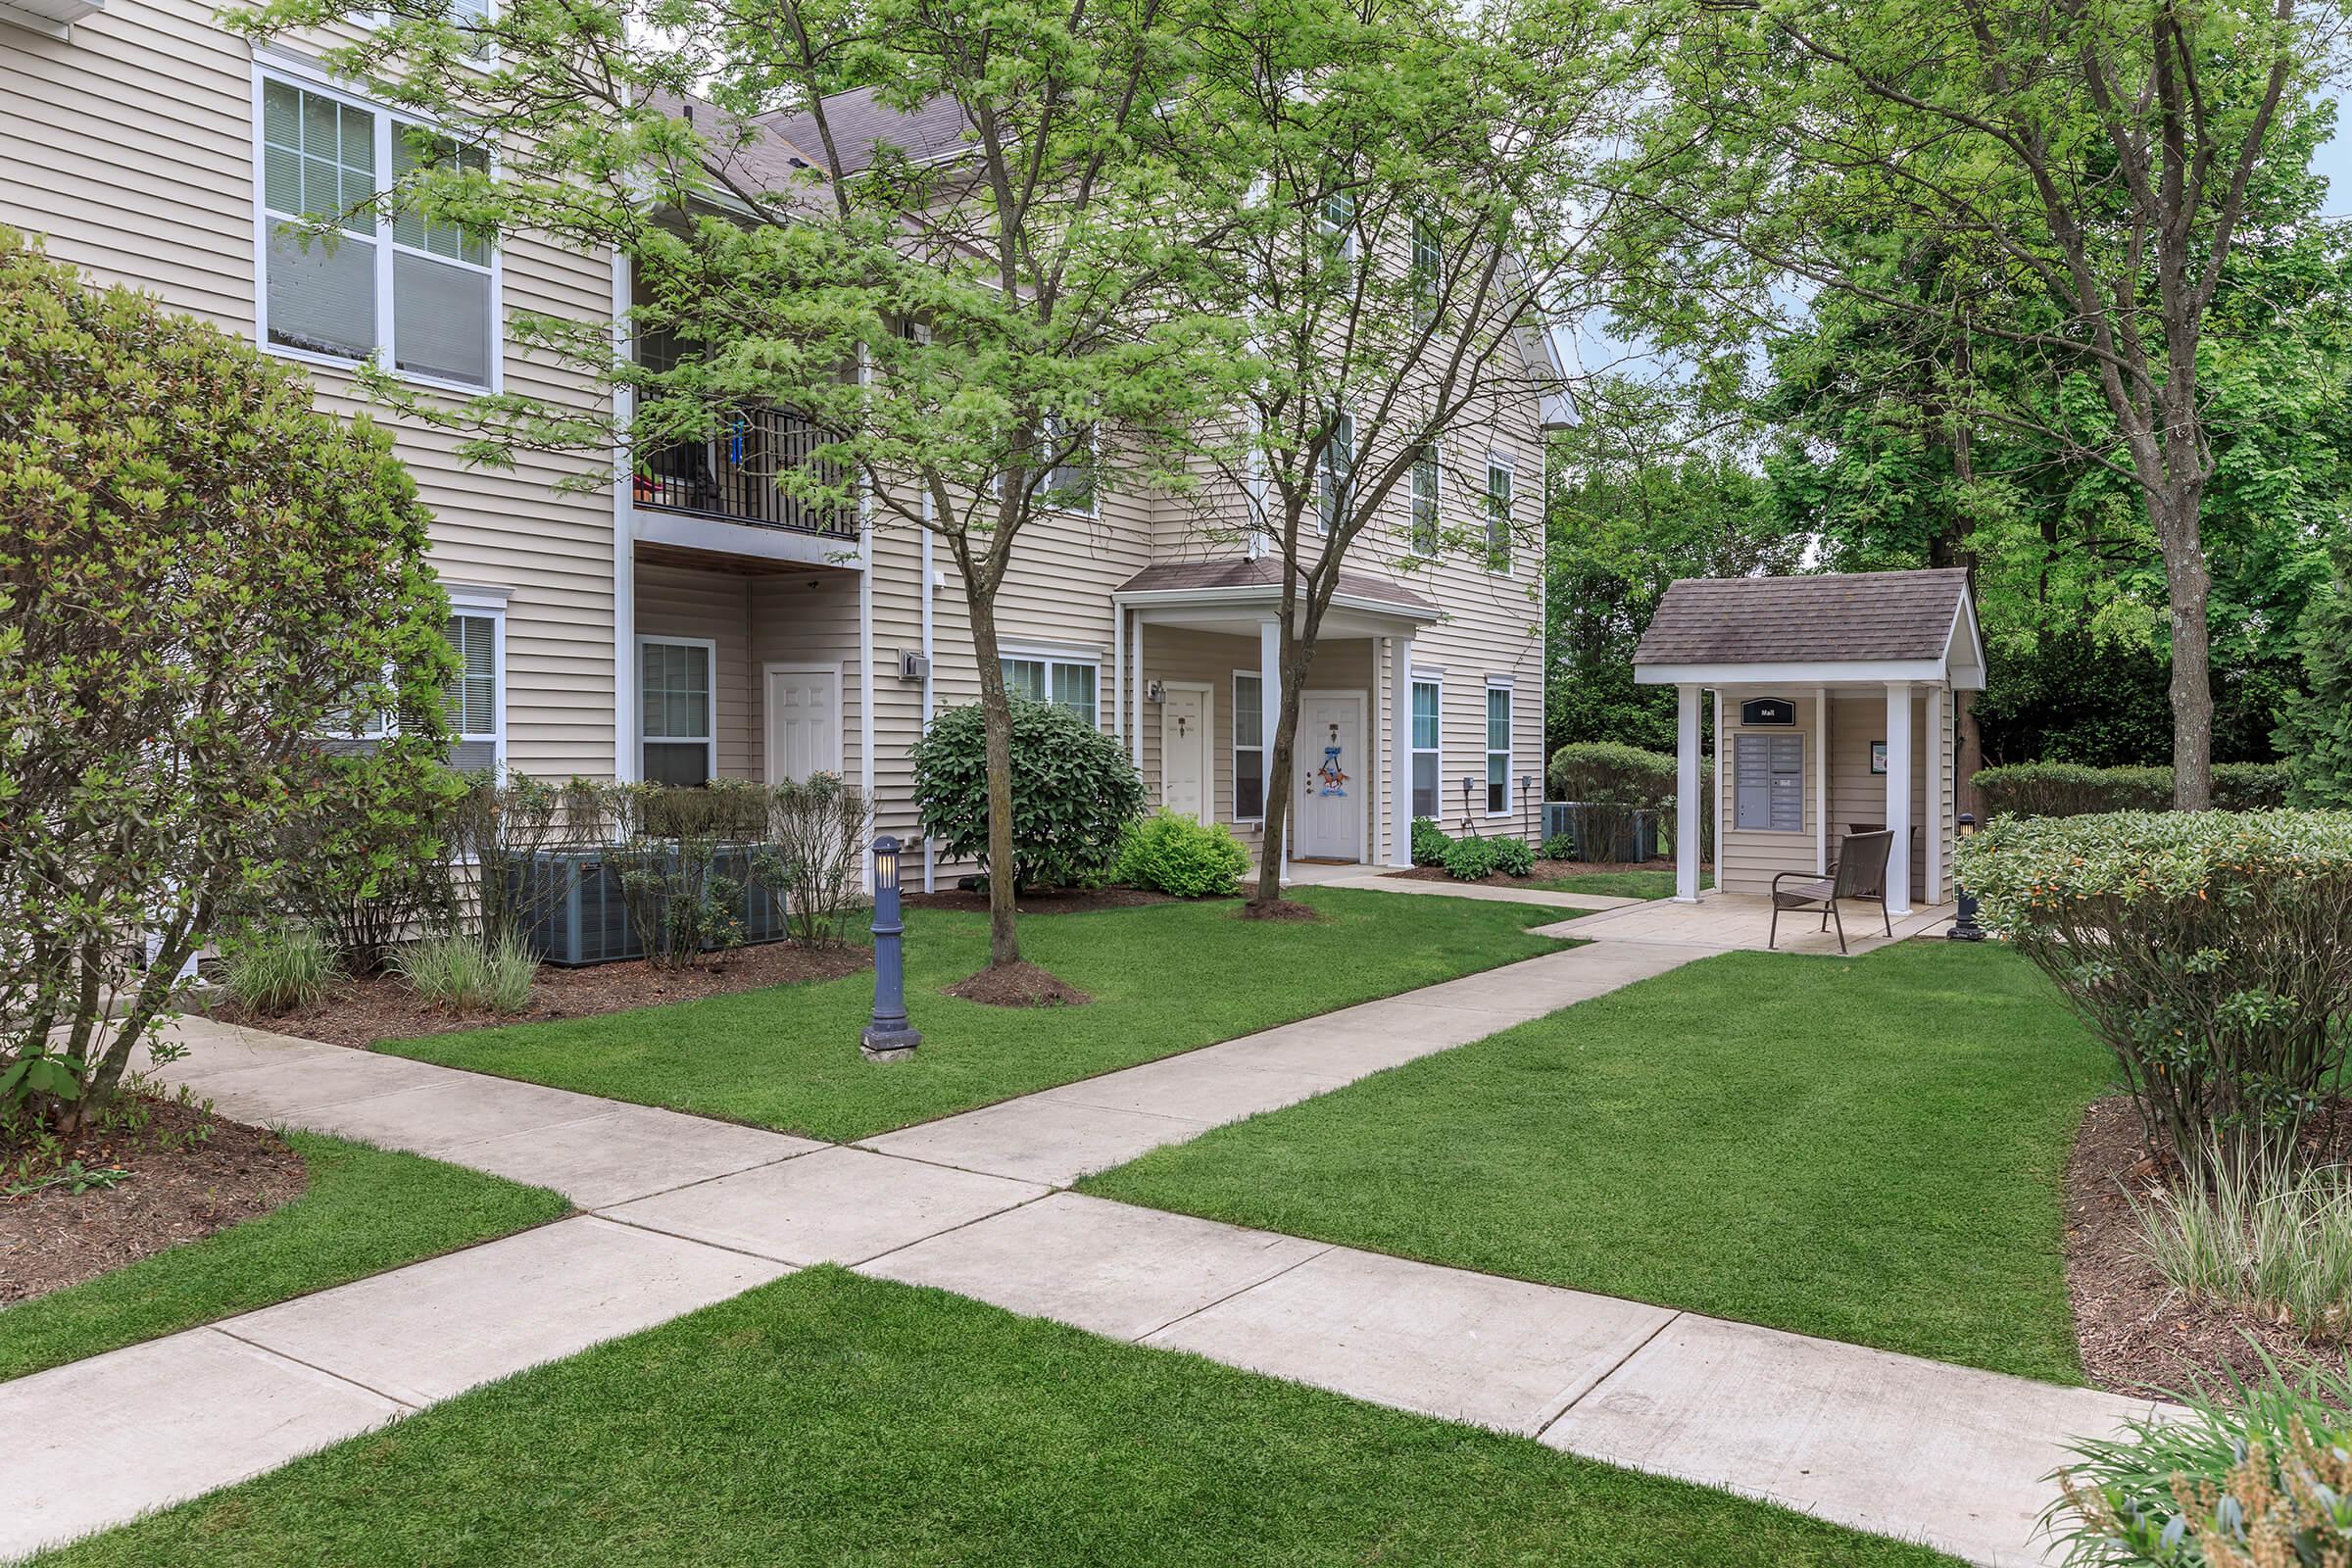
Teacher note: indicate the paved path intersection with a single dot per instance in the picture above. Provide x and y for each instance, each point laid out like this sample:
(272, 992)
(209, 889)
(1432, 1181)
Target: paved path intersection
(684, 1211)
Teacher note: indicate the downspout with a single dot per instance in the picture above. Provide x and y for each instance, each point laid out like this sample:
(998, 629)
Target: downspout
(930, 844)
(625, 761)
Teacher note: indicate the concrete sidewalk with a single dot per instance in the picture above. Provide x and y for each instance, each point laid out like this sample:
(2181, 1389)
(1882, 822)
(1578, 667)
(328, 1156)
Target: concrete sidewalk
(686, 1212)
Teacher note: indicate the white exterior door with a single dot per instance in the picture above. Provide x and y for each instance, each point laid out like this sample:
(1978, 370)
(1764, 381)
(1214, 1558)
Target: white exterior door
(803, 721)
(1184, 751)
(1334, 772)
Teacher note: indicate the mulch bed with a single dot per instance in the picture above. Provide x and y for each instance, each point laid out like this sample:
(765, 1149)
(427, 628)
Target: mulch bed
(1019, 984)
(179, 1188)
(2137, 1332)
(1279, 909)
(1543, 871)
(362, 1012)
(1040, 901)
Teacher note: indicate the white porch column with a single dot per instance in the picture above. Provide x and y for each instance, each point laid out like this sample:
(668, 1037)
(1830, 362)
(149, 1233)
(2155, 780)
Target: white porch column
(1400, 752)
(1687, 840)
(1269, 704)
(1135, 684)
(1936, 788)
(1820, 781)
(1898, 797)
(1119, 671)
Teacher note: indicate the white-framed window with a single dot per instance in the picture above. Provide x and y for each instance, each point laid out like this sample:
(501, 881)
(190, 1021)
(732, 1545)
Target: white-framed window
(1499, 512)
(1338, 469)
(677, 710)
(419, 296)
(1424, 534)
(1249, 747)
(1428, 737)
(1499, 749)
(1064, 681)
(1337, 219)
(477, 692)
(1428, 269)
(1069, 485)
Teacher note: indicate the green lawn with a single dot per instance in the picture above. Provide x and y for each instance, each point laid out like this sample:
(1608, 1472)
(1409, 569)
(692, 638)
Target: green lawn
(366, 1211)
(1617, 884)
(830, 1419)
(1164, 977)
(1870, 1151)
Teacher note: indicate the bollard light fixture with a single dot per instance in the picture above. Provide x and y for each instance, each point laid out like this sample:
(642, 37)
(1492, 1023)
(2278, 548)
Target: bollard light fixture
(889, 1036)
(1964, 921)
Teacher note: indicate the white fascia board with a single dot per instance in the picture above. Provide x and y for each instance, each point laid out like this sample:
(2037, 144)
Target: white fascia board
(1258, 600)
(1855, 672)
(1967, 672)
(743, 539)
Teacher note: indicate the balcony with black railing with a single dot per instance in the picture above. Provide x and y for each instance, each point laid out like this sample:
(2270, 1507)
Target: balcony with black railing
(735, 476)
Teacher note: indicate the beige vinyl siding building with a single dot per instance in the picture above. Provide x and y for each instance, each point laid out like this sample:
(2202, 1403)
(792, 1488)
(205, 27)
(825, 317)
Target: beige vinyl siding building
(692, 622)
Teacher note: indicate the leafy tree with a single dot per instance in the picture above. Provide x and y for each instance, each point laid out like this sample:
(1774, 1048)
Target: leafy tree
(199, 575)
(2315, 733)
(2073, 181)
(990, 330)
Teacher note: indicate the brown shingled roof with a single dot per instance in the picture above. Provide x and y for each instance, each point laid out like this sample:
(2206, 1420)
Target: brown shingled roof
(1831, 618)
(861, 124)
(1210, 576)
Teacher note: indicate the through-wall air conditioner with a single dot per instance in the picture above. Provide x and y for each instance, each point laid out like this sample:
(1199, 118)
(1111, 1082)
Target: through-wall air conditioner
(912, 665)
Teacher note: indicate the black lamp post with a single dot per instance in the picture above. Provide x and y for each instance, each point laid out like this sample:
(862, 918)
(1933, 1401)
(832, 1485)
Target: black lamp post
(887, 1036)
(1964, 924)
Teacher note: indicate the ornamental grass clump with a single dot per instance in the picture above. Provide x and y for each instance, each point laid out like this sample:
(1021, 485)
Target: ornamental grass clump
(277, 967)
(463, 972)
(2274, 1241)
(2210, 951)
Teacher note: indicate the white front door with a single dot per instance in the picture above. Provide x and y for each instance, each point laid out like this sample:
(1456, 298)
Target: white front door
(1333, 776)
(803, 721)
(1184, 751)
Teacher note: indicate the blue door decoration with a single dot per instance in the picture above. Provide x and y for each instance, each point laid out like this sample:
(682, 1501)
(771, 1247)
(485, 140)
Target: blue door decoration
(1331, 776)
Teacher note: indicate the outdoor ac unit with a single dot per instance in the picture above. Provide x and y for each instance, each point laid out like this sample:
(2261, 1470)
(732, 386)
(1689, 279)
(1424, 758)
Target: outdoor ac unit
(912, 666)
(582, 918)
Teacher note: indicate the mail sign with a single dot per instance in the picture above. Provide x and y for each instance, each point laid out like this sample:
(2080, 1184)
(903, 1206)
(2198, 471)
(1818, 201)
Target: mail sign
(1761, 712)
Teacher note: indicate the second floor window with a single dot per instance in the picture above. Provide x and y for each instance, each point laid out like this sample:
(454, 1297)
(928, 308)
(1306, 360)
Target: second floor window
(1425, 502)
(1336, 219)
(419, 294)
(1338, 468)
(1069, 485)
(1499, 515)
(1428, 262)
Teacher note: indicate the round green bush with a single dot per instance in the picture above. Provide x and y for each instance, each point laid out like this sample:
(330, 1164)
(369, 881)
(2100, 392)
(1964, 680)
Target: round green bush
(1074, 793)
(1472, 859)
(1429, 842)
(1170, 852)
(1606, 771)
(1513, 858)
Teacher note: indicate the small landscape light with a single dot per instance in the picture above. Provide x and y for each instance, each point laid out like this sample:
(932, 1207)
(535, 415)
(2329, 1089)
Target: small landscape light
(888, 1036)
(1964, 923)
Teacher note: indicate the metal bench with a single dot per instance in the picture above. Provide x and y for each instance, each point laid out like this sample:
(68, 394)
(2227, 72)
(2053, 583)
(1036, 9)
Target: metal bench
(1860, 873)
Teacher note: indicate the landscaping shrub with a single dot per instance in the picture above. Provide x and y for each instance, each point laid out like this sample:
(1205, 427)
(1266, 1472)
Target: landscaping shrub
(2256, 1474)
(369, 862)
(2210, 951)
(1513, 858)
(200, 573)
(813, 873)
(504, 822)
(1613, 773)
(463, 972)
(1430, 842)
(1074, 793)
(2315, 724)
(1560, 846)
(1472, 859)
(2274, 1240)
(276, 967)
(2069, 789)
(681, 902)
(1170, 852)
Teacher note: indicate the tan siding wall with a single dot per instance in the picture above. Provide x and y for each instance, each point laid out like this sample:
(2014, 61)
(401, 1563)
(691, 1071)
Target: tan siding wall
(1747, 860)
(676, 602)
(128, 146)
(1857, 794)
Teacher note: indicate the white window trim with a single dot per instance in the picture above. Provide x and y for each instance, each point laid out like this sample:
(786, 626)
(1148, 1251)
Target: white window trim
(1501, 462)
(1414, 747)
(1328, 508)
(645, 737)
(1344, 232)
(310, 78)
(1436, 504)
(1094, 489)
(1049, 655)
(488, 604)
(1238, 676)
(1487, 748)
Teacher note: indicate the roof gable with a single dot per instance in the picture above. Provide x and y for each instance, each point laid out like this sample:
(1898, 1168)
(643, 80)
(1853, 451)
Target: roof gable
(1830, 618)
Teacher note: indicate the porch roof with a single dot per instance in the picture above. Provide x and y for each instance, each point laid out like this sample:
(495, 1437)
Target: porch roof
(1829, 627)
(1207, 581)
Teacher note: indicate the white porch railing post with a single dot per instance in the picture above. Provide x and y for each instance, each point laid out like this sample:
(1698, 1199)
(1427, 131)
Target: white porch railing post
(1400, 750)
(1898, 797)
(1687, 839)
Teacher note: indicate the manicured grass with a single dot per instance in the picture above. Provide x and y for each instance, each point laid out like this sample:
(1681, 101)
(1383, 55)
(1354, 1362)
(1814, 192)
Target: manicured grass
(829, 1419)
(366, 1211)
(1870, 1151)
(1164, 977)
(1617, 884)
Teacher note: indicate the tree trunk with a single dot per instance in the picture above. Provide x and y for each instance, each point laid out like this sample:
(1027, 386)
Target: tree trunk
(2188, 582)
(1969, 761)
(1278, 759)
(996, 712)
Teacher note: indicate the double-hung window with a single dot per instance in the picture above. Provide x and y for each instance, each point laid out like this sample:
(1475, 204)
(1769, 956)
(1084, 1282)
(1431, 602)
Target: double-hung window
(1069, 485)
(1338, 468)
(1249, 748)
(676, 704)
(476, 711)
(1428, 704)
(1498, 750)
(1336, 219)
(1424, 533)
(1065, 682)
(419, 294)
(1429, 262)
(1498, 512)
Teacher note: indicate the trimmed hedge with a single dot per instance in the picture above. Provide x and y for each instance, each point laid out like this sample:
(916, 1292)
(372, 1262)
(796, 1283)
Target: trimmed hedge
(1170, 852)
(1074, 793)
(2069, 789)
(2210, 951)
(1607, 772)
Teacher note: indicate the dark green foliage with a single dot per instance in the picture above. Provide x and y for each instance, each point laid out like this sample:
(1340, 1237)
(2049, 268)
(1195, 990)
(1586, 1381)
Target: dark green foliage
(369, 864)
(1614, 773)
(1560, 846)
(2314, 731)
(1513, 858)
(2207, 949)
(1170, 852)
(2069, 789)
(1074, 793)
(1429, 842)
(2066, 697)
(1471, 858)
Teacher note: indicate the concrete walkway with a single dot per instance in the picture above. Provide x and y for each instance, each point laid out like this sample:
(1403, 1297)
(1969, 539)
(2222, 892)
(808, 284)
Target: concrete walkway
(1379, 878)
(686, 1212)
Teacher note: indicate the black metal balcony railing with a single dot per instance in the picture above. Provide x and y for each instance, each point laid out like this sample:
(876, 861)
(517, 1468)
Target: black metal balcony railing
(734, 475)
